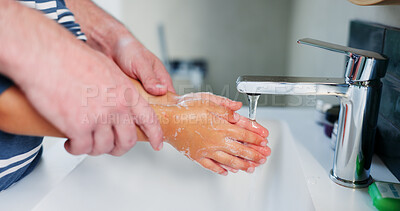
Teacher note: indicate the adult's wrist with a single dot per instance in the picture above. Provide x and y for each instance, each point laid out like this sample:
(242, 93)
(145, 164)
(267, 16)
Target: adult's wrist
(109, 37)
(103, 31)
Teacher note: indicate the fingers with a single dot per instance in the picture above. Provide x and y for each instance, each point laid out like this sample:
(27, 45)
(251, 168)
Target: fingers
(222, 101)
(106, 139)
(146, 119)
(266, 151)
(213, 166)
(240, 150)
(80, 146)
(232, 161)
(229, 168)
(149, 79)
(246, 136)
(125, 139)
(219, 100)
(103, 140)
(224, 113)
(252, 126)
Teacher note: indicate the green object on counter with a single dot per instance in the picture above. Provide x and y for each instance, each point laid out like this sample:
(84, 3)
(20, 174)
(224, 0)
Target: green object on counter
(385, 196)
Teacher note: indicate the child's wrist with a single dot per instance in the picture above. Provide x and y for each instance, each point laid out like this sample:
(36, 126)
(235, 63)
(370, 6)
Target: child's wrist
(167, 117)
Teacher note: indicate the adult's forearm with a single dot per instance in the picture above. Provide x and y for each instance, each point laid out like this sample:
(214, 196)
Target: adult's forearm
(30, 42)
(104, 32)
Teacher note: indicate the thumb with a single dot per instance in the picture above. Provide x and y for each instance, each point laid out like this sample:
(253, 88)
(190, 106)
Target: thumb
(150, 82)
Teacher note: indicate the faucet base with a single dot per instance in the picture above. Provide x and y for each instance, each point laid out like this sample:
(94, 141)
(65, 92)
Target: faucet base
(350, 184)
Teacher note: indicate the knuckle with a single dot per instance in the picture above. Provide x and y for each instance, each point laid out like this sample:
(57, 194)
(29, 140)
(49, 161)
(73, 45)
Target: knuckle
(125, 145)
(255, 157)
(84, 147)
(232, 162)
(249, 155)
(128, 141)
(205, 164)
(149, 78)
(239, 164)
(96, 151)
(214, 168)
(258, 156)
(245, 136)
(254, 138)
(259, 139)
(80, 150)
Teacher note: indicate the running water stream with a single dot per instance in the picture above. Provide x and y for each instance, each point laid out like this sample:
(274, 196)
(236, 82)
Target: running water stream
(253, 100)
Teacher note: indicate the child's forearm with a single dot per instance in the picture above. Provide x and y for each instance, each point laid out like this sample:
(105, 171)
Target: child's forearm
(19, 117)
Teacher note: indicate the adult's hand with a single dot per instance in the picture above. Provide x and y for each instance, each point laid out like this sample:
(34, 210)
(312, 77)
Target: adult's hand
(139, 63)
(110, 37)
(77, 89)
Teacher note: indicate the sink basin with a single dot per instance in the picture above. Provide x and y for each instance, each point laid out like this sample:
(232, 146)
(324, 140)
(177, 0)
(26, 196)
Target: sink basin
(167, 180)
(295, 177)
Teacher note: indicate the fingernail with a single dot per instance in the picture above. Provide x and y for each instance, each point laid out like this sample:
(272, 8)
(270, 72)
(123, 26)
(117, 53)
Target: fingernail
(264, 143)
(262, 161)
(160, 86)
(236, 116)
(225, 173)
(250, 170)
(160, 146)
(234, 170)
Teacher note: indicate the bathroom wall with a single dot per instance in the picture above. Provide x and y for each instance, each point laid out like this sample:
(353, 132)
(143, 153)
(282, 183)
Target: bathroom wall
(329, 21)
(113, 7)
(235, 37)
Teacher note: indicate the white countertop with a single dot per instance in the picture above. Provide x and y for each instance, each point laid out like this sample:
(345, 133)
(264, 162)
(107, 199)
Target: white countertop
(295, 177)
(316, 158)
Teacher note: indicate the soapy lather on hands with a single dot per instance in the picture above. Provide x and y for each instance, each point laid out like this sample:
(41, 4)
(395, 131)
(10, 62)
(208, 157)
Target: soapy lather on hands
(207, 130)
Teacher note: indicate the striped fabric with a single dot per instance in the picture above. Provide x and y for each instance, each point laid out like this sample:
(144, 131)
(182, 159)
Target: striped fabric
(56, 10)
(19, 155)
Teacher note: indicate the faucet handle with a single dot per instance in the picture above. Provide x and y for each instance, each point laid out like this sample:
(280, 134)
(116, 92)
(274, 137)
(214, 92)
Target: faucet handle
(362, 65)
(340, 48)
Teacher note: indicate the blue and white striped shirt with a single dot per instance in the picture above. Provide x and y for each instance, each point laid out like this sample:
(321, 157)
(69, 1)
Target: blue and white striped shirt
(20, 154)
(56, 10)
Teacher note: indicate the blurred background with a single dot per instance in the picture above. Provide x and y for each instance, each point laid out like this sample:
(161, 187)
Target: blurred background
(209, 43)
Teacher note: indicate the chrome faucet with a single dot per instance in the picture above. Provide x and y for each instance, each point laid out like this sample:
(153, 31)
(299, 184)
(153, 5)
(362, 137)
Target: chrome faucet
(359, 92)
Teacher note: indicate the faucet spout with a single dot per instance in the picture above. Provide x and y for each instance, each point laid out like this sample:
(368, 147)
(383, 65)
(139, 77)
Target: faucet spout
(277, 85)
(359, 92)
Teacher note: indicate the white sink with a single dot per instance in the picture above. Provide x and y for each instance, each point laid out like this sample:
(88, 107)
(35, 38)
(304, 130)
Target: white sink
(167, 180)
(147, 180)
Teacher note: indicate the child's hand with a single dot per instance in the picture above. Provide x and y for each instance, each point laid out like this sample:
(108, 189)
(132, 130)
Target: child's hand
(200, 129)
(230, 105)
(219, 100)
